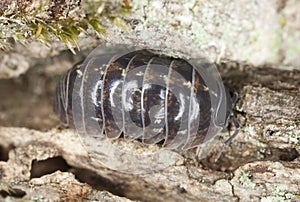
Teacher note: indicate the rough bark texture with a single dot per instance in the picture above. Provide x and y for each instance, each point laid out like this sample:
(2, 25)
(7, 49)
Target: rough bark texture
(262, 163)
(250, 41)
(257, 33)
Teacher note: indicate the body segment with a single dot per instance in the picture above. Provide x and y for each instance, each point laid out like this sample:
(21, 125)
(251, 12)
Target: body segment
(145, 96)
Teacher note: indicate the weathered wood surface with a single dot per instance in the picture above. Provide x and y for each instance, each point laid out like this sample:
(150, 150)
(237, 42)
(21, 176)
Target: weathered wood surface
(262, 163)
(258, 33)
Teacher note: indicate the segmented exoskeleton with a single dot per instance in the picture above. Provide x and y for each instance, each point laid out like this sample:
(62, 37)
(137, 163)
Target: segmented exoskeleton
(145, 96)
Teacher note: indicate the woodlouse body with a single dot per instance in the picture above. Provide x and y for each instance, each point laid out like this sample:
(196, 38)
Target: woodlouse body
(145, 96)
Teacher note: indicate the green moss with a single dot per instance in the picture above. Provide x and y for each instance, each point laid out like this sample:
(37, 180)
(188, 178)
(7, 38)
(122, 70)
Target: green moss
(23, 27)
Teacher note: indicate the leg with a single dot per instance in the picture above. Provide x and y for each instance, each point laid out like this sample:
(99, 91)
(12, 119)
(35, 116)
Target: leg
(237, 130)
(234, 98)
(229, 140)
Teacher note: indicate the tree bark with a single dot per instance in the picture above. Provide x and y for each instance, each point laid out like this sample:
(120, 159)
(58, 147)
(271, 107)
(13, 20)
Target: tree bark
(256, 47)
(262, 163)
(257, 33)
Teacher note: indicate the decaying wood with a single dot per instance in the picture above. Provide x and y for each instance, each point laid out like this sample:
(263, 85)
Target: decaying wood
(262, 163)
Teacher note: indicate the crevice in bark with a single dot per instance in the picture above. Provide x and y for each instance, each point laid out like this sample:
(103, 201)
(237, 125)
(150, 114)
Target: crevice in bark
(48, 166)
(4, 152)
(228, 165)
(98, 182)
(289, 154)
(13, 192)
(238, 75)
(233, 190)
(51, 165)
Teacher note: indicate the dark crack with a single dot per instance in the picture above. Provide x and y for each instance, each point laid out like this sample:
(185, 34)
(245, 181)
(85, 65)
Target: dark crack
(4, 152)
(228, 164)
(98, 182)
(51, 165)
(48, 166)
(7, 190)
(233, 190)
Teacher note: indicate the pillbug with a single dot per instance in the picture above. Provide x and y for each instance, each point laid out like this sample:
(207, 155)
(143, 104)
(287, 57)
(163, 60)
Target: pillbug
(144, 96)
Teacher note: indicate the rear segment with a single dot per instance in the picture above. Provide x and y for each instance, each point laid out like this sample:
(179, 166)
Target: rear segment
(63, 96)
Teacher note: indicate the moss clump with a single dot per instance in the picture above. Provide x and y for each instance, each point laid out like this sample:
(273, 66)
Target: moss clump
(57, 20)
